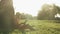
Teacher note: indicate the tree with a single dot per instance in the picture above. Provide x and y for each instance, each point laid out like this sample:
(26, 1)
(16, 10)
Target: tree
(48, 12)
(18, 15)
(28, 16)
(23, 16)
(6, 16)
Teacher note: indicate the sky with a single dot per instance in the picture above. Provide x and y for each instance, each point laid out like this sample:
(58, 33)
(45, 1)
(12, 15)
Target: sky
(31, 6)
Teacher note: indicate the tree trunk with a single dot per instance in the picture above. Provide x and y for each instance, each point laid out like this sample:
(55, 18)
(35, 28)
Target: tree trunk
(6, 15)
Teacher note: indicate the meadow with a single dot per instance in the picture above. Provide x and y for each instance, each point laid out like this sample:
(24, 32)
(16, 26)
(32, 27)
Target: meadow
(41, 27)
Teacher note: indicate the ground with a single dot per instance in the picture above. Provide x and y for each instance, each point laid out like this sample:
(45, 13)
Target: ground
(42, 27)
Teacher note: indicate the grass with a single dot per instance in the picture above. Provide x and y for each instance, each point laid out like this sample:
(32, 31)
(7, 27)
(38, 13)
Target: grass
(43, 27)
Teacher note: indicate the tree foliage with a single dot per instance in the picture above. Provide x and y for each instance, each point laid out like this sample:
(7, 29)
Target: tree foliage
(48, 12)
(23, 16)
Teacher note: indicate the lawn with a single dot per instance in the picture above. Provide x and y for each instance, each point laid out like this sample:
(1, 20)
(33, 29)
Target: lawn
(42, 27)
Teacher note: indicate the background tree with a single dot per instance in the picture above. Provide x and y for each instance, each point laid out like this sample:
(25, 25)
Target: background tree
(48, 12)
(23, 16)
(18, 15)
(28, 16)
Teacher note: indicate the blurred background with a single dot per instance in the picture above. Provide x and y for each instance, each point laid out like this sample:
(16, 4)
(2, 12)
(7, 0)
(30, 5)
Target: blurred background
(30, 16)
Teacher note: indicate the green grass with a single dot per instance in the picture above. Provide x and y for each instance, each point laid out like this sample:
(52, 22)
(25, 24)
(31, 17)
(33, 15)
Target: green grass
(43, 27)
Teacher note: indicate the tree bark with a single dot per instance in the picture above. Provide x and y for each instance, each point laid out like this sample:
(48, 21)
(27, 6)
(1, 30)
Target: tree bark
(6, 15)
